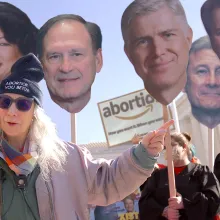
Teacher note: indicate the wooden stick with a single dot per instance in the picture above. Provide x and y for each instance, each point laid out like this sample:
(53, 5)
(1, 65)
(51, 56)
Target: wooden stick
(170, 166)
(175, 115)
(211, 148)
(73, 128)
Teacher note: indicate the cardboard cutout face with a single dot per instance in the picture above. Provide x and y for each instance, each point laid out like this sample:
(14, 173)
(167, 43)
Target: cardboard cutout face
(203, 83)
(16, 41)
(9, 54)
(157, 44)
(210, 14)
(70, 62)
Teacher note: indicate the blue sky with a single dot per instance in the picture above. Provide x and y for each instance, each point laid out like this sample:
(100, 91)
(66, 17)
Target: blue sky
(117, 76)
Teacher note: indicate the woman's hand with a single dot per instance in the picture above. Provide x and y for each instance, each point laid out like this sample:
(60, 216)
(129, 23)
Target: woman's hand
(154, 141)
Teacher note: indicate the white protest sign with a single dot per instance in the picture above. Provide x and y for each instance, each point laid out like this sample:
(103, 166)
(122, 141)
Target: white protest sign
(130, 114)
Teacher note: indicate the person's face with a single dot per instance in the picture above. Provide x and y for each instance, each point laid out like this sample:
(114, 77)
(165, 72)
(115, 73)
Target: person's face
(203, 83)
(129, 205)
(16, 123)
(9, 54)
(215, 31)
(69, 61)
(178, 152)
(158, 47)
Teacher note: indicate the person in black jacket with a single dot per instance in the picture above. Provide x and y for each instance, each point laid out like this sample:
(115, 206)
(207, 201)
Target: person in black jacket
(197, 188)
(217, 167)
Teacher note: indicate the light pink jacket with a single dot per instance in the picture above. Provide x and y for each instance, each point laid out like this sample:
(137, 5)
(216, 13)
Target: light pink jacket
(87, 181)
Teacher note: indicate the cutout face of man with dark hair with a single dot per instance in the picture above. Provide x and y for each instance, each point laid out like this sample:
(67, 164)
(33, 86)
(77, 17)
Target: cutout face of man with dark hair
(203, 85)
(210, 14)
(70, 64)
(157, 44)
(215, 38)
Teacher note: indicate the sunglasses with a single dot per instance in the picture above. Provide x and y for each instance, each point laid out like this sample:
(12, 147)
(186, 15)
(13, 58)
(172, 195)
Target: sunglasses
(22, 104)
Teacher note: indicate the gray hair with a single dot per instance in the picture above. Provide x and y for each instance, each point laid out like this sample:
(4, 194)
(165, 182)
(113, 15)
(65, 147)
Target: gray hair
(200, 44)
(203, 43)
(143, 7)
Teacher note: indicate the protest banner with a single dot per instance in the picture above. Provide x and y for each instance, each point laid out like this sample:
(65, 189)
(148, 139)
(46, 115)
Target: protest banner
(130, 114)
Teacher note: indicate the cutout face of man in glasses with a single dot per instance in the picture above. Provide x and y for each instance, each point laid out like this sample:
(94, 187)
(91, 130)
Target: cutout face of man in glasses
(157, 40)
(70, 51)
(203, 83)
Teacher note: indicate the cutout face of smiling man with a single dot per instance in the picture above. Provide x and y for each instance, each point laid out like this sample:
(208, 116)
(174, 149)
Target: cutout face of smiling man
(203, 83)
(157, 40)
(71, 56)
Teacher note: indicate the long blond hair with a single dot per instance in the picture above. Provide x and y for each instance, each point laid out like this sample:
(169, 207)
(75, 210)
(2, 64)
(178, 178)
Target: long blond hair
(52, 150)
